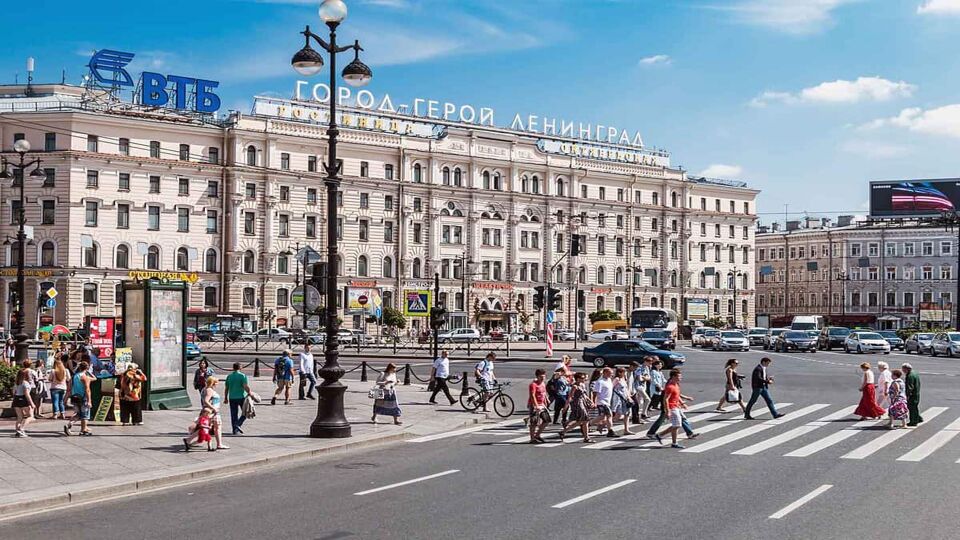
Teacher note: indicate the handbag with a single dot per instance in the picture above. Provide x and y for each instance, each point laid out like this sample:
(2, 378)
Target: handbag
(376, 392)
(733, 396)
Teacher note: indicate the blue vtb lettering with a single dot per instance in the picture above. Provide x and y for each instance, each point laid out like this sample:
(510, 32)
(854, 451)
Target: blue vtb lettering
(207, 101)
(154, 89)
(180, 89)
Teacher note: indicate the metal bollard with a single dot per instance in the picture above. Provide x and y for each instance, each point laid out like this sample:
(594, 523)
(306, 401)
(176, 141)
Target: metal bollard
(463, 389)
(363, 372)
(406, 375)
(256, 368)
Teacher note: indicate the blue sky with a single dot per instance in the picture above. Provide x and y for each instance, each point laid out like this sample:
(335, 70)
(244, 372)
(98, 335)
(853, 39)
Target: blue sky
(807, 100)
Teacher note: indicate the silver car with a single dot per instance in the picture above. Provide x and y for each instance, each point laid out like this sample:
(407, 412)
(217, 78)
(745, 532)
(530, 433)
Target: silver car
(731, 340)
(918, 343)
(946, 343)
(865, 342)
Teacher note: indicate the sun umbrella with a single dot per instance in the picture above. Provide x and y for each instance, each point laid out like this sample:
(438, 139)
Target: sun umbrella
(55, 329)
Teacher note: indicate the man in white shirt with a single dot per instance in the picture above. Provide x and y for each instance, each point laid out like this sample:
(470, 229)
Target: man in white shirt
(307, 372)
(441, 370)
(602, 395)
(485, 377)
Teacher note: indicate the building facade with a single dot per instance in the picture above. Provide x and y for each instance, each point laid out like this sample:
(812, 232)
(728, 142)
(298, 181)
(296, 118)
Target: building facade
(226, 205)
(885, 275)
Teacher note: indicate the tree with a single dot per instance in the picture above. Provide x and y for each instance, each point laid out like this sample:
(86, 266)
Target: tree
(715, 322)
(604, 315)
(393, 318)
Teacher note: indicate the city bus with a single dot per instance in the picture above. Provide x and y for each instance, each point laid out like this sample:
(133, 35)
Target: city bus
(652, 318)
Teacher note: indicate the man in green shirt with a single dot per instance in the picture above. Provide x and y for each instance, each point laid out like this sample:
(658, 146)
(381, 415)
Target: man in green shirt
(237, 390)
(912, 381)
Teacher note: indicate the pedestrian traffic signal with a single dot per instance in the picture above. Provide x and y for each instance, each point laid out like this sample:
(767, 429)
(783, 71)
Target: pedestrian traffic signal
(319, 277)
(581, 299)
(553, 298)
(538, 300)
(438, 317)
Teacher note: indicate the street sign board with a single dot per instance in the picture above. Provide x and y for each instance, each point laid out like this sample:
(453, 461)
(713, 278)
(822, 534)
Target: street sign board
(416, 302)
(305, 298)
(51, 303)
(362, 300)
(550, 316)
(308, 255)
(52, 293)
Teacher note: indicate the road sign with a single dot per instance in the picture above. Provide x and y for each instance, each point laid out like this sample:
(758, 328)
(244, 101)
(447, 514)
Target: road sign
(52, 293)
(308, 255)
(305, 299)
(362, 300)
(51, 303)
(551, 315)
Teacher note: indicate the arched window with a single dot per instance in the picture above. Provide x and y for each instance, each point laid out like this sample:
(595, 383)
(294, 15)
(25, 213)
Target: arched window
(730, 278)
(415, 268)
(388, 299)
(673, 304)
(559, 277)
(618, 302)
(743, 309)
(524, 183)
(486, 179)
(387, 267)
(730, 306)
(362, 267)
(283, 298)
(703, 280)
(673, 199)
(48, 254)
(654, 281)
(673, 278)
(153, 258)
(744, 281)
(654, 302)
(600, 303)
(446, 176)
(497, 182)
(251, 155)
(655, 198)
(122, 256)
(618, 276)
(716, 307)
(535, 186)
(183, 259)
(210, 260)
(249, 262)
(91, 256)
(559, 187)
(582, 275)
(601, 275)
(457, 177)
(417, 173)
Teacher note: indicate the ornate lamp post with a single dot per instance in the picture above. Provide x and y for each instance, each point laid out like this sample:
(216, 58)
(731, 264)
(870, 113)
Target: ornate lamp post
(331, 421)
(19, 167)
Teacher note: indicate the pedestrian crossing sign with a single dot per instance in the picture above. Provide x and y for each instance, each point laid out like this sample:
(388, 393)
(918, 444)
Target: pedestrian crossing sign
(416, 303)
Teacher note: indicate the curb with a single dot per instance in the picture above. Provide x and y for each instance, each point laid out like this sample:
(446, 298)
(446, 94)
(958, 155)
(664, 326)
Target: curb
(27, 503)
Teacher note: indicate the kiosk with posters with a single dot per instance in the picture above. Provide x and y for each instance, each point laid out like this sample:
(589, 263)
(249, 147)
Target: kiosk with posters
(154, 315)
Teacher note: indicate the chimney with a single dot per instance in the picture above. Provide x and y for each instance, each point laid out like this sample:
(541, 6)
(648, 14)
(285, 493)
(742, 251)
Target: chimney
(793, 225)
(775, 226)
(811, 223)
(844, 221)
(825, 222)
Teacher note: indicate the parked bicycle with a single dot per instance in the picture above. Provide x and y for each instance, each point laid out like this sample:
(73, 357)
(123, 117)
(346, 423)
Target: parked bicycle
(474, 399)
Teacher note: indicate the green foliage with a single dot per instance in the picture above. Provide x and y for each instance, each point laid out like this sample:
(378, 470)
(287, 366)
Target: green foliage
(604, 315)
(715, 322)
(394, 318)
(8, 375)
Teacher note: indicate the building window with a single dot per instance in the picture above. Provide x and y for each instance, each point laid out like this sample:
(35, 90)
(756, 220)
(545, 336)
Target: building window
(210, 260)
(311, 226)
(90, 294)
(339, 228)
(249, 295)
(486, 180)
(155, 149)
(311, 196)
(93, 179)
(364, 169)
(154, 184)
(182, 259)
(213, 189)
(183, 220)
(249, 223)
(184, 152)
(210, 298)
(283, 298)
(251, 156)
(364, 233)
(122, 258)
(283, 264)
(362, 266)
(123, 183)
(93, 143)
(285, 161)
(92, 213)
(213, 155)
(388, 203)
(415, 268)
(123, 216)
(153, 258)
(48, 254)
(417, 233)
(285, 193)
(559, 187)
(364, 200)
(49, 142)
(48, 213)
(388, 171)
(49, 178)
(250, 190)
(418, 173)
(91, 257)
(283, 228)
(183, 186)
(124, 146)
(211, 221)
(153, 218)
(249, 262)
(388, 232)
(312, 164)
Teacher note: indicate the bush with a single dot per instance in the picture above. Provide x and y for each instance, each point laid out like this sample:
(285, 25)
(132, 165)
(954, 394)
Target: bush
(8, 375)
(604, 315)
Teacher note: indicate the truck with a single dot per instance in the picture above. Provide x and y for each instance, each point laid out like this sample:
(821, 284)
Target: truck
(811, 324)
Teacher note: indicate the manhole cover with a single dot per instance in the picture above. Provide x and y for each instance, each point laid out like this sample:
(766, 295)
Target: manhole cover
(354, 466)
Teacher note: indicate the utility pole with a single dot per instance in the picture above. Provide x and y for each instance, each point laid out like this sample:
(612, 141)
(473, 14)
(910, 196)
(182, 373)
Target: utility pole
(436, 300)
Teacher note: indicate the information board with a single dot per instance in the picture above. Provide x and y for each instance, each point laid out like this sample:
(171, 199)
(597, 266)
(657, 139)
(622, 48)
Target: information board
(166, 339)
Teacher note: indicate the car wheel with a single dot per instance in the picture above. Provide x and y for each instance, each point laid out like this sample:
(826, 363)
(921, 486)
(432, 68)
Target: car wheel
(599, 362)
(859, 349)
(933, 351)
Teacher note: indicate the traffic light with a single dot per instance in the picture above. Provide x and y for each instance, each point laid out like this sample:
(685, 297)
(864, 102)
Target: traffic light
(438, 317)
(538, 297)
(319, 277)
(575, 245)
(581, 299)
(553, 298)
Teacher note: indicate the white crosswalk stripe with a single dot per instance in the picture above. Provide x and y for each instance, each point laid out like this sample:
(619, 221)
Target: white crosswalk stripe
(756, 428)
(793, 433)
(934, 443)
(714, 426)
(833, 439)
(886, 439)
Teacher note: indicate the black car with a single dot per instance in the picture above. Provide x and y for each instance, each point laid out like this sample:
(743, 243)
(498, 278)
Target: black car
(832, 336)
(623, 351)
(893, 339)
(661, 339)
(233, 335)
(795, 340)
(204, 334)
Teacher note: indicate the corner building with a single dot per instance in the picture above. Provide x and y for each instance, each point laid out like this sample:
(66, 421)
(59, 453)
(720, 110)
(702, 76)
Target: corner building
(132, 193)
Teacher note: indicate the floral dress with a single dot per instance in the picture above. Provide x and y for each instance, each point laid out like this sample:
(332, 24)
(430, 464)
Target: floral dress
(898, 400)
(578, 403)
(387, 405)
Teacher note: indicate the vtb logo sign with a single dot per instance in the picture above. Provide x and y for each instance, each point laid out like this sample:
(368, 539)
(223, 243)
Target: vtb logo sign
(155, 89)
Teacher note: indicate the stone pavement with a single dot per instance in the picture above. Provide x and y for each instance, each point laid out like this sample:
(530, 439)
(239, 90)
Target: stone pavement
(49, 469)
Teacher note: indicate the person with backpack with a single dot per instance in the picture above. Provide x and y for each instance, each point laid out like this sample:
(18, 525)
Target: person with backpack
(578, 402)
(283, 372)
(200, 376)
(558, 389)
(81, 400)
(485, 377)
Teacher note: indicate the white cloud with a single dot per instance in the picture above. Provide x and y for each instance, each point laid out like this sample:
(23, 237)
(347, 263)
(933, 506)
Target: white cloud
(719, 170)
(657, 59)
(841, 91)
(939, 7)
(874, 149)
(788, 16)
(940, 121)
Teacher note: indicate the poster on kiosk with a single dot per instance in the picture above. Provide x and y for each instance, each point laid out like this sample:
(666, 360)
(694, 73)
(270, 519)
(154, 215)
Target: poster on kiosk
(154, 325)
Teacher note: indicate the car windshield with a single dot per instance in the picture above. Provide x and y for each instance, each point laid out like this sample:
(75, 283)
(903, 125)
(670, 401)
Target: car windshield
(658, 334)
(923, 337)
(954, 336)
(803, 326)
(796, 335)
(712, 333)
(870, 335)
(838, 331)
(777, 331)
(649, 319)
(732, 334)
(647, 347)
(889, 334)
(754, 331)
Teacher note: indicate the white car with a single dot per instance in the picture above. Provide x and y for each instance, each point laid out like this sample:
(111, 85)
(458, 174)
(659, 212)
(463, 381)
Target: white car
(460, 335)
(731, 340)
(564, 335)
(352, 336)
(269, 334)
(861, 342)
(705, 338)
(607, 335)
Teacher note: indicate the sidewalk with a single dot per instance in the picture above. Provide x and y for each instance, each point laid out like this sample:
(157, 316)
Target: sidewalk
(49, 469)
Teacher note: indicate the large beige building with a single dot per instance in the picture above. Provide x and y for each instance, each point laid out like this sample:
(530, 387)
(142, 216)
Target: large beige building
(133, 192)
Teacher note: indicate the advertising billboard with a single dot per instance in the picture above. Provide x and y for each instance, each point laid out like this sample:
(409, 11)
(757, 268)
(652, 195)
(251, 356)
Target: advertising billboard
(100, 332)
(364, 300)
(697, 308)
(914, 197)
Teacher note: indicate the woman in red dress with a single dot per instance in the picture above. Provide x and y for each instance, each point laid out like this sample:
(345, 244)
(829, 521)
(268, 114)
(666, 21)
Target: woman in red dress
(868, 407)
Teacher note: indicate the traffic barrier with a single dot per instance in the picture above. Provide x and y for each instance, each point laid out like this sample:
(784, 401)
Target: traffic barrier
(256, 368)
(463, 389)
(363, 372)
(406, 375)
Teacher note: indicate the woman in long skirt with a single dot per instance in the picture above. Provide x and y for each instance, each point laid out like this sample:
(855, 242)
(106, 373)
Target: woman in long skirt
(387, 405)
(622, 400)
(868, 407)
(897, 394)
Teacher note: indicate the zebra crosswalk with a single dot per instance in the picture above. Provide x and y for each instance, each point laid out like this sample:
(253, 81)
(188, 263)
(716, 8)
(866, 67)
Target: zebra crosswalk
(793, 435)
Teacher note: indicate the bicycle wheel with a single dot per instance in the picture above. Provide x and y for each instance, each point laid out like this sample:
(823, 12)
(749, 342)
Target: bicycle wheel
(470, 399)
(503, 405)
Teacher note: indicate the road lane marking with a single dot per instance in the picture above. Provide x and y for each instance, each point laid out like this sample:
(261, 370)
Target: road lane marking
(751, 430)
(833, 439)
(408, 482)
(793, 433)
(886, 439)
(719, 424)
(592, 494)
(800, 502)
(457, 432)
(933, 444)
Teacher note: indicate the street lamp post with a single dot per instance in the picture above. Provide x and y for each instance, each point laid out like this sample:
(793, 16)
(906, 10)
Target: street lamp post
(331, 421)
(19, 167)
(737, 273)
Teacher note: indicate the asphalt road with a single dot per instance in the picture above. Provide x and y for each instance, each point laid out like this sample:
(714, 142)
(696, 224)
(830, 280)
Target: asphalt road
(796, 477)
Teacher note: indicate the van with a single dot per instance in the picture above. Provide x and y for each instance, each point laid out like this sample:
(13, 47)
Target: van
(616, 324)
(811, 324)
